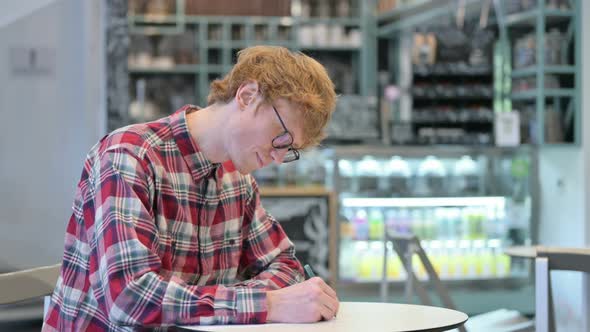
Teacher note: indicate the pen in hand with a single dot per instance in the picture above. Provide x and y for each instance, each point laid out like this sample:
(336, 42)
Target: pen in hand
(309, 273)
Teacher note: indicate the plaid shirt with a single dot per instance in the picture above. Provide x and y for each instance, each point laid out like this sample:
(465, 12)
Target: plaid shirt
(161, 236)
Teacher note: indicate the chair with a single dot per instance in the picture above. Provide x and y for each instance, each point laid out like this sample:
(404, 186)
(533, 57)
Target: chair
(549, 259)
(28, 284)
(408, 245)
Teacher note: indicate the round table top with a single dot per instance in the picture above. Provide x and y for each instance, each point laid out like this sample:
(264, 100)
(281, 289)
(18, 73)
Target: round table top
(521, 251)
(534, 251)
(365, 316)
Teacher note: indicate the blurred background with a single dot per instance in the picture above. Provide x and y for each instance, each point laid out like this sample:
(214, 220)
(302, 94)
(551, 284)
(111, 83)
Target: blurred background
(458, 121)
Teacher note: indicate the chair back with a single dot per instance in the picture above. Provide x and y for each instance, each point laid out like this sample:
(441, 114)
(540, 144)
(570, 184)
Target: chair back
(566, 259)
(28, 284)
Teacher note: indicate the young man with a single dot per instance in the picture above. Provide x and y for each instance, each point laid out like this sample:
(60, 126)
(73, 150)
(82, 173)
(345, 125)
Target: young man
(167, 227)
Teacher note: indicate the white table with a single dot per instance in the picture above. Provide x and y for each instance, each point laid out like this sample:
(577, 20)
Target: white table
(546, 260)
(364, 316)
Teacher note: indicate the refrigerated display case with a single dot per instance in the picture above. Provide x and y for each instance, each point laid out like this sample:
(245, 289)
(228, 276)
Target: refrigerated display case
(465, 204)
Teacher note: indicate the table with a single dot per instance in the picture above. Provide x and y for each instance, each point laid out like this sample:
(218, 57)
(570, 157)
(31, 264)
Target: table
(365, 316)
(547, 259)
(522, 251)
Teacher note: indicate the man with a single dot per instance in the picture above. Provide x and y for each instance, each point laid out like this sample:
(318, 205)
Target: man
(167, 227)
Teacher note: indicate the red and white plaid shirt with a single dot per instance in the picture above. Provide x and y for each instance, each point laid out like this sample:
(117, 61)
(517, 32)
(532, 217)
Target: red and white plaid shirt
(161, 236)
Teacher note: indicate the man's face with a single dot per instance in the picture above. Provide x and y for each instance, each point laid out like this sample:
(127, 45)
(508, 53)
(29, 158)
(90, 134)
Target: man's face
(253, 131)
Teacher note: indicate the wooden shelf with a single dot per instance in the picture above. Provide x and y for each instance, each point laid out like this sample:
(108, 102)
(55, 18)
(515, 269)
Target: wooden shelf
(547, 93)
(178, 69)
(532, 70)
(529, 17)
(310, 190)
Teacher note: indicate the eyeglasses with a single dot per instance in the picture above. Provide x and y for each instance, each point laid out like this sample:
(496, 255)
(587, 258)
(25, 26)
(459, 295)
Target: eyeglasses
(285, 141)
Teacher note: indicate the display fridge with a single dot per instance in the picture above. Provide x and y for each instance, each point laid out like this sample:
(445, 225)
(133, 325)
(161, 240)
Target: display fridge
(464, 204)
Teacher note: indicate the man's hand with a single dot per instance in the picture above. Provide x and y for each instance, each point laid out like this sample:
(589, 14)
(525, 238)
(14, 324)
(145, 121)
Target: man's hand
(309, 301)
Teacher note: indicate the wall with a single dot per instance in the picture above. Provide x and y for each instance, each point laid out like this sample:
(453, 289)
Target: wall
(13, 10)
(562, 221)
(586, 146)
(48, 122)
(565, 214)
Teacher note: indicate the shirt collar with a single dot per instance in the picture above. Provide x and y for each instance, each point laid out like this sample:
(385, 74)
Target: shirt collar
(200, 166)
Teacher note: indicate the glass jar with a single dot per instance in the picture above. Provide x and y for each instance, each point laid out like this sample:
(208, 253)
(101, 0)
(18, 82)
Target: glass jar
(398, 175)
(368, 173)
(431, 177)
(347, 176)
(466, 177)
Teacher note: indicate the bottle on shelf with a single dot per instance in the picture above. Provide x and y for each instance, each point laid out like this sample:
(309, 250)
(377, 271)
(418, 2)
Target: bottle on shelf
(468, 260)
(376, 225)
(376, 260)
(395, 270)
(391, 221)
(491, 228)
(404, 222)
(363, 260)
(487, 262)
(434, 256)
(473, 220)
(348, 264)
(361, 225)
(346, 225)
(454, 215)
(480, 222)
(454, 258)
(444, 222)
(444, 263)
(502, 262)
(430, 225)
(417, 224)
(477, 254)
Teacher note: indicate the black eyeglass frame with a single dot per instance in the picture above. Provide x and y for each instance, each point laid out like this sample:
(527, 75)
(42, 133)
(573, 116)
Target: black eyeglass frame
(292, 153)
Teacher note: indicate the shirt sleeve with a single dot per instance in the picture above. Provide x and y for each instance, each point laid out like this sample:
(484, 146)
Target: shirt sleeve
(268, 256)
(125, 274)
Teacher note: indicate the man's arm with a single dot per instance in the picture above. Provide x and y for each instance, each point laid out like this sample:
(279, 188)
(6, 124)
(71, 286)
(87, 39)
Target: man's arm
(125, 266)
(268, 257)
(269, 260)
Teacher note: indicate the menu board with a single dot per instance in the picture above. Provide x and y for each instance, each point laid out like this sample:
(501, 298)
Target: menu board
(307, 216)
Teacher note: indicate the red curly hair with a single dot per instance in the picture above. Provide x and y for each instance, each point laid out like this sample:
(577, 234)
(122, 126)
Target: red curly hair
(281, 73)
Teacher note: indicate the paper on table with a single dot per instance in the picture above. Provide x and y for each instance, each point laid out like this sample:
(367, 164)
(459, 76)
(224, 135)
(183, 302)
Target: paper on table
(332, 325)
(228, 327)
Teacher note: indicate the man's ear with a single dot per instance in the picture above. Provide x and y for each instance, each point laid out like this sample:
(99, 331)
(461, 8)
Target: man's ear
(246, 94)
